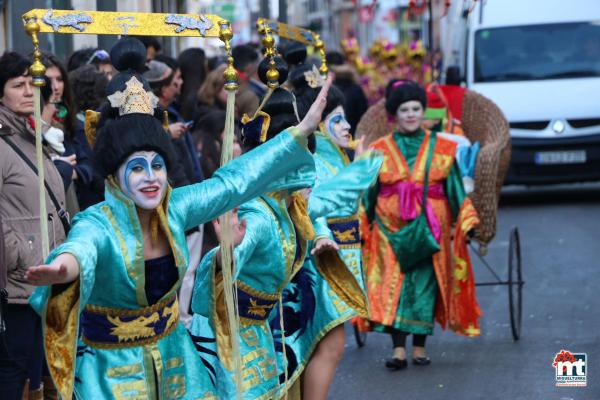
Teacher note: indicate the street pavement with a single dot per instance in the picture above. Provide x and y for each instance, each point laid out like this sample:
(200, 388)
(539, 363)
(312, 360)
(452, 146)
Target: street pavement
(560, 240)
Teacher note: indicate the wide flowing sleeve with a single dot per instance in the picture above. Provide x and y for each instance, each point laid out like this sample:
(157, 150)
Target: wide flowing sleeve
(464, 309)
(321, 229)
(455, 190)
(341, 193)
(256, 172)
(257, 231)
(60, 305)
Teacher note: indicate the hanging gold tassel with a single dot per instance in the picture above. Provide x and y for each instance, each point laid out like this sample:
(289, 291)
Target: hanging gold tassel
(227, 261)
(40, 165)
(284, 354)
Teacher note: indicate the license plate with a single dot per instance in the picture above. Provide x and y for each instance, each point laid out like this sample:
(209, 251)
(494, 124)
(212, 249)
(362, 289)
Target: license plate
(561, 157)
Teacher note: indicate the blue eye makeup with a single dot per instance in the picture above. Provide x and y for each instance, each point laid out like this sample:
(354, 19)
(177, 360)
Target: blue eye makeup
(158, 163)
(336, 119)
(135, 165)
(140, 165)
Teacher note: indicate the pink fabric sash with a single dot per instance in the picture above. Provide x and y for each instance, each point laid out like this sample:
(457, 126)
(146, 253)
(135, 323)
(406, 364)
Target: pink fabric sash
(409, 194)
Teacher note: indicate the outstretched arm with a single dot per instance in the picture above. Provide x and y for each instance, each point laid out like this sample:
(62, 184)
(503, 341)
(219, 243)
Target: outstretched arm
(63, 269)
(75, 259)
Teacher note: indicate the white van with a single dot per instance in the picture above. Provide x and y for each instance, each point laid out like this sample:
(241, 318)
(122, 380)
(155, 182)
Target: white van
(539, 60)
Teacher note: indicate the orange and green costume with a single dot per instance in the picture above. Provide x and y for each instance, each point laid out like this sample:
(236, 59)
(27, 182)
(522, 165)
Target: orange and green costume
(443, 286)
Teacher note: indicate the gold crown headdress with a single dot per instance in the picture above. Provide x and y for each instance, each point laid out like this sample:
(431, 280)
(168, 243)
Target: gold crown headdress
(134, 99)
(313, 77)
(417, 50)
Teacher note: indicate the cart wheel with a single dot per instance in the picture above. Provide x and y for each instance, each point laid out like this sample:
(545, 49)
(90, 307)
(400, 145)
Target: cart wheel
(361, 337)
(515, 283)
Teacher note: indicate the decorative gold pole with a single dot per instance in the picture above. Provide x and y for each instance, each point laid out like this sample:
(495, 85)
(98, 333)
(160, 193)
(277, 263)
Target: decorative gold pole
(227, 261)
(301, 35)
(37, 71)
(268, 42)
(230, 74)
(320, 46)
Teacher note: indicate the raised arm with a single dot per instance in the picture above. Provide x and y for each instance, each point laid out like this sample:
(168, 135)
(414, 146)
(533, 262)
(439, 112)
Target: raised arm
(253, 173)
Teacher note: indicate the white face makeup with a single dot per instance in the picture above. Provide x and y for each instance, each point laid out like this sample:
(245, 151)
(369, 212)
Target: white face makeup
(338, 127)
(143, 178)
(410, 116)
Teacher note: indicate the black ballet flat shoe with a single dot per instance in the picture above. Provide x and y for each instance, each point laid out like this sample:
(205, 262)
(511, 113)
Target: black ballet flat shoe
(395, 364)
(421, 361)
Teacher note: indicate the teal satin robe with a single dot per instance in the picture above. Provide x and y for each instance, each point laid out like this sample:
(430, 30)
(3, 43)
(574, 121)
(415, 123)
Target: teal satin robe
(271, 252)
(311, 306)
(107, 241)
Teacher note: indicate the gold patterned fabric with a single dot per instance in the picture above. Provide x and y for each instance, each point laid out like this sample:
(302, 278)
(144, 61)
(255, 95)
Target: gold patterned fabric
(346, 231)
(254, 306)
(342, 281)
(298, 211)
(111, 328)
(61, 333)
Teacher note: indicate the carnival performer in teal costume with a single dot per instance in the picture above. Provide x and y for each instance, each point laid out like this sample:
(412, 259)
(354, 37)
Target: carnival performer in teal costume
(272, 251)
(313, 304)
(109, 302)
